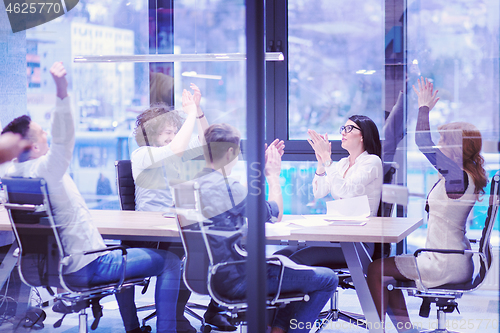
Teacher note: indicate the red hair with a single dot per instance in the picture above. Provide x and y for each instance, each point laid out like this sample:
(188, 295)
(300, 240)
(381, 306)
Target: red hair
(468, 137)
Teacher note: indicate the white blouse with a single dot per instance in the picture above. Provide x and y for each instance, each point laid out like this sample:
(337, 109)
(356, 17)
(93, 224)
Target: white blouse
(365, 177)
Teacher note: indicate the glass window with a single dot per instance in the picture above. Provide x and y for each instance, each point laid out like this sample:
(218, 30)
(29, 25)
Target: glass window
(105, 97)
(455, 45)
(335, 63)
(213, 27)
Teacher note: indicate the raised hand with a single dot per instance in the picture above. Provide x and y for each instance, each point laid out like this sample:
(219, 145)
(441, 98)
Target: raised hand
(273, 162)
(426, 95)
(59, 75)
(188, 103)
(322, 147)
(196, 94)
(279, 144)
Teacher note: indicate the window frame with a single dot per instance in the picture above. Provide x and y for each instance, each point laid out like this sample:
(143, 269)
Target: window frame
(277, 78)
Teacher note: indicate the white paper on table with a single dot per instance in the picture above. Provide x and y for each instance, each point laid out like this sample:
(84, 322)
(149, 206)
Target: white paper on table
(278, 229)
(317, 220)
(351, 209)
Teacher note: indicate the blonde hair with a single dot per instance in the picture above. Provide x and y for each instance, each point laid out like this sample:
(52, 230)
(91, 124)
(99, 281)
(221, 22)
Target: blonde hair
(464, 143)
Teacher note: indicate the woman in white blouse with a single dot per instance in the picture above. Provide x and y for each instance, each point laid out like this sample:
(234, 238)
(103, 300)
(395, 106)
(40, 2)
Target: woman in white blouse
(358, 174)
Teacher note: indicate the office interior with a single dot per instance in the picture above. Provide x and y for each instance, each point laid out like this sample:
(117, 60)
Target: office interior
(328, 60)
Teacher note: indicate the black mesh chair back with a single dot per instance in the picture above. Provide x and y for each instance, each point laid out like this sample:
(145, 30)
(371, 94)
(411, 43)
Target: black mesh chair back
(389, 169)
(30, 213)
(196, 265)
(484, 243)
(383, 250)
(125, 184)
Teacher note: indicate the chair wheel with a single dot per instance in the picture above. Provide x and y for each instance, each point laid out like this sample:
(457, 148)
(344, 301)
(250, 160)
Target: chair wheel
(206, 329)
(146, 329)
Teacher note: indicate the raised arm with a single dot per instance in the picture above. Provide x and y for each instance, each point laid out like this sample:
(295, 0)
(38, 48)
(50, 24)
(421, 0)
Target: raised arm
(200, 116)
(182, 138)
(59, 156)
(456, 179)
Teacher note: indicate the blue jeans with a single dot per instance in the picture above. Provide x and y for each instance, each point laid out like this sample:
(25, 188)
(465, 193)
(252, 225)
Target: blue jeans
(318, 282)
(141, 262)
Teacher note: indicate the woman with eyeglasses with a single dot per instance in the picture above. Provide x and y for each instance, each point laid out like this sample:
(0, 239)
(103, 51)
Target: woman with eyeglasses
(356, 175)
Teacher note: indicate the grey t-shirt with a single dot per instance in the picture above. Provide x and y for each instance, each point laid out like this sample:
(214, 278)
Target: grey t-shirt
(223, 203)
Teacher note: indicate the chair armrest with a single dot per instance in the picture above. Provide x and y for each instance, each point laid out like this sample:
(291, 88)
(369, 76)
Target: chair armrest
(109, 248)
(64, 261)
(215, 268)
(26, 207)
(280, 282)
(444, 251)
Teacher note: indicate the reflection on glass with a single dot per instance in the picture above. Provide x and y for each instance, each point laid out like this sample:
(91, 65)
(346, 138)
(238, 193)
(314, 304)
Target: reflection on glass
(104, 96)
(456, 46)
(107, 97)
(213, 27)
(336, 61)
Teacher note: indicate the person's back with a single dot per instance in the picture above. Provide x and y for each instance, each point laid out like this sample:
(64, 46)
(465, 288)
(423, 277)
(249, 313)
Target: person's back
(223, 203)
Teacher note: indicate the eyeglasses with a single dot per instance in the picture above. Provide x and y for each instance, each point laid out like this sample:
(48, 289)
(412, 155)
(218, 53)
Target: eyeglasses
(348, 128)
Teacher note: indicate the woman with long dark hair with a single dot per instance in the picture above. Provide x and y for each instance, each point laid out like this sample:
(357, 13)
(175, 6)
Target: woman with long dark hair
(356, 175)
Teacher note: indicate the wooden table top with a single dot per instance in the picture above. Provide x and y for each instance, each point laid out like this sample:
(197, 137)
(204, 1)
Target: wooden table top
(117, 224)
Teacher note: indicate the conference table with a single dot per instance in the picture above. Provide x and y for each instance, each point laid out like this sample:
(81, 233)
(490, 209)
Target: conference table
(154, 226)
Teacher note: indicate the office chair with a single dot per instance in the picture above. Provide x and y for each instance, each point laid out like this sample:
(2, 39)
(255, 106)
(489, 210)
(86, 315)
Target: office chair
(42, 258)
(381, 250)
(126, 192)
(445, 296)
(200, 268)
(125, 184)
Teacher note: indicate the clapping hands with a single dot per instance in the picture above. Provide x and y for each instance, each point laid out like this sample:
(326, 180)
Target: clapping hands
(322, 147)
(278, 144)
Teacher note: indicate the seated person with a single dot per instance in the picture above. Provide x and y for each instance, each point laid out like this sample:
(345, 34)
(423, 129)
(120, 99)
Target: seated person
(223, 202)
(77, 232)
(457, 158)
(358, 174)
(165, 147)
